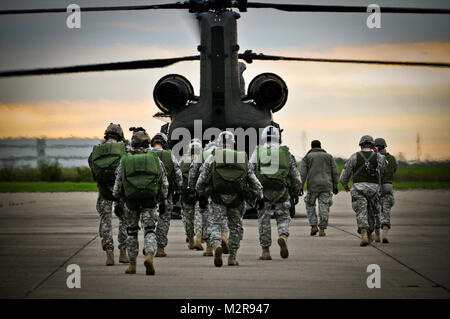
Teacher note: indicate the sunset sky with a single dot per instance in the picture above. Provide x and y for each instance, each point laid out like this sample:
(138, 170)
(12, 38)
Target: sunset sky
(333, 103)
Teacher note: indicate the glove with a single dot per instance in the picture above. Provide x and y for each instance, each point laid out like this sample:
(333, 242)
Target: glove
(300, 193)
(335, 191)
(175, 197)
(260, 204)
(162, 208)
(115, 199)
(295, 200)
(203, 202)
(347, 189)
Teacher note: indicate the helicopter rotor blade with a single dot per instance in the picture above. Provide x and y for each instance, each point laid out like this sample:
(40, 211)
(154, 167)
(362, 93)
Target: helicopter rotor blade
(343, 9)
(177, 5)
(249, 56)
(115, 66)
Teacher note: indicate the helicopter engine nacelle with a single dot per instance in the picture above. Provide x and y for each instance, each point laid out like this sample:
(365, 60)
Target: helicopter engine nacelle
(268, 90)
(172, 91)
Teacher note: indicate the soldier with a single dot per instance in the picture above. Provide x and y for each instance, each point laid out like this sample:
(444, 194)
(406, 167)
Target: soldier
(319, 170)
(194, 173)
(160, 145)
(231, 182)
(142, 181)
(103, 162)
(387, 191)
(278, 182)
(366, 167)
(192, 213)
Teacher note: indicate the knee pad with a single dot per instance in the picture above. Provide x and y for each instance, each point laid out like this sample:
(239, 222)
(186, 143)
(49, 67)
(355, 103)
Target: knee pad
(133, 231)
(148, 230)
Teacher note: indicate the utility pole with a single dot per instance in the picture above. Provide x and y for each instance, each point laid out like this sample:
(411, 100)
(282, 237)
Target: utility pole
(419, 147)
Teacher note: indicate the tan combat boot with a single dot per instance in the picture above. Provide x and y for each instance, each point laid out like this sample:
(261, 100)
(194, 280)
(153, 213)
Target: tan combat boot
(314, 230)
(191, 242)
(232, 260)
(209, 250)
(160, 252)
(225, 246)
(377, 235)
(148, 263)
(218, 256)
(282, 241)
(131, 268)
(198, 242)
(385, 235)
(322, 232)
(109, 257)
(265, 255)
(364, 238)
(123, 258)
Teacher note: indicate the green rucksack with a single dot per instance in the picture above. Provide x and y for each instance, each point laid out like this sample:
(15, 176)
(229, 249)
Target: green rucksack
(166, 157)
(104, 161)
(141, 178)
(272, 168)
(229, 173)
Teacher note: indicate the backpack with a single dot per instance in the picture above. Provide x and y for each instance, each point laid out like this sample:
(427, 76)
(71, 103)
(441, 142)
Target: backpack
(228, 176)
(141, 177)
(166, 157)
(185, 165)
(271, 179)
(105, 159)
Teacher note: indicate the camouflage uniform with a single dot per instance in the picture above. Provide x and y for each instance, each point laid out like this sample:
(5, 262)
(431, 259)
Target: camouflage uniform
(218, 212)
(148, 216)
(104, 209)
(273, 206)
(365, 195)
(325, 200)
(162, 228)
(387, 192)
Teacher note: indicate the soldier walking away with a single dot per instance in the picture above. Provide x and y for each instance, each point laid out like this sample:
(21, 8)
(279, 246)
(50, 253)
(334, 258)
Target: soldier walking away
(277, 171)
(387, 191)
(103, 162)
(192, 213)
(319, 170)
(366, 167)
(229, 180)
(142, 182)
(194, 173)
(160, 145)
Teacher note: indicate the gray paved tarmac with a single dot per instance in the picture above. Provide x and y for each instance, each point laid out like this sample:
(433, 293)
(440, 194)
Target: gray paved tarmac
(42, 233)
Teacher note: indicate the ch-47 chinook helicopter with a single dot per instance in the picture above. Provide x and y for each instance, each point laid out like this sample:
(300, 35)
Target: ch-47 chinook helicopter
(221, 104)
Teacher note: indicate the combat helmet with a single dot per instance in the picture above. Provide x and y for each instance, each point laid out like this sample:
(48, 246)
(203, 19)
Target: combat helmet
(140, 139)
(270, 134)
(227, 138)
(366, 139)
(160, 138)
(380, 143)
(195, 145)
(114, 130)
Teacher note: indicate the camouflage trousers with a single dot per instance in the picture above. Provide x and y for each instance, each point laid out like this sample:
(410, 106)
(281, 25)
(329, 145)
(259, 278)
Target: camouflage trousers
(104, 209)
(195, 219)
(325, 200)
(282, 217)
(366, 207)
(386, 203)
(162, 229)
(216, 216)
(149, 219)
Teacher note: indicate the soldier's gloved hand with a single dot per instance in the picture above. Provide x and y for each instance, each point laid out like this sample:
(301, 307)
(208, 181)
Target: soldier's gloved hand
(162, 208)
(115, 198)
(300, 193)
(191, 192)
(260, 204)
(295, 200)
(203, 202)
(347, 189)
(335, 191)
(175, 197)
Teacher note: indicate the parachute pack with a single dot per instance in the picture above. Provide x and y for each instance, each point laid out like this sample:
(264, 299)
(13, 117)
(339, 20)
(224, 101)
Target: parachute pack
(105, 159)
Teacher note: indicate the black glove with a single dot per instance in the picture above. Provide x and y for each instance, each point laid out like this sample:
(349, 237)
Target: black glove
(162, 208)
(260, 204)
(175, 197)
(203, 202)
(301, 192)
(115, 199)
(335, 191)
(295, 200)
